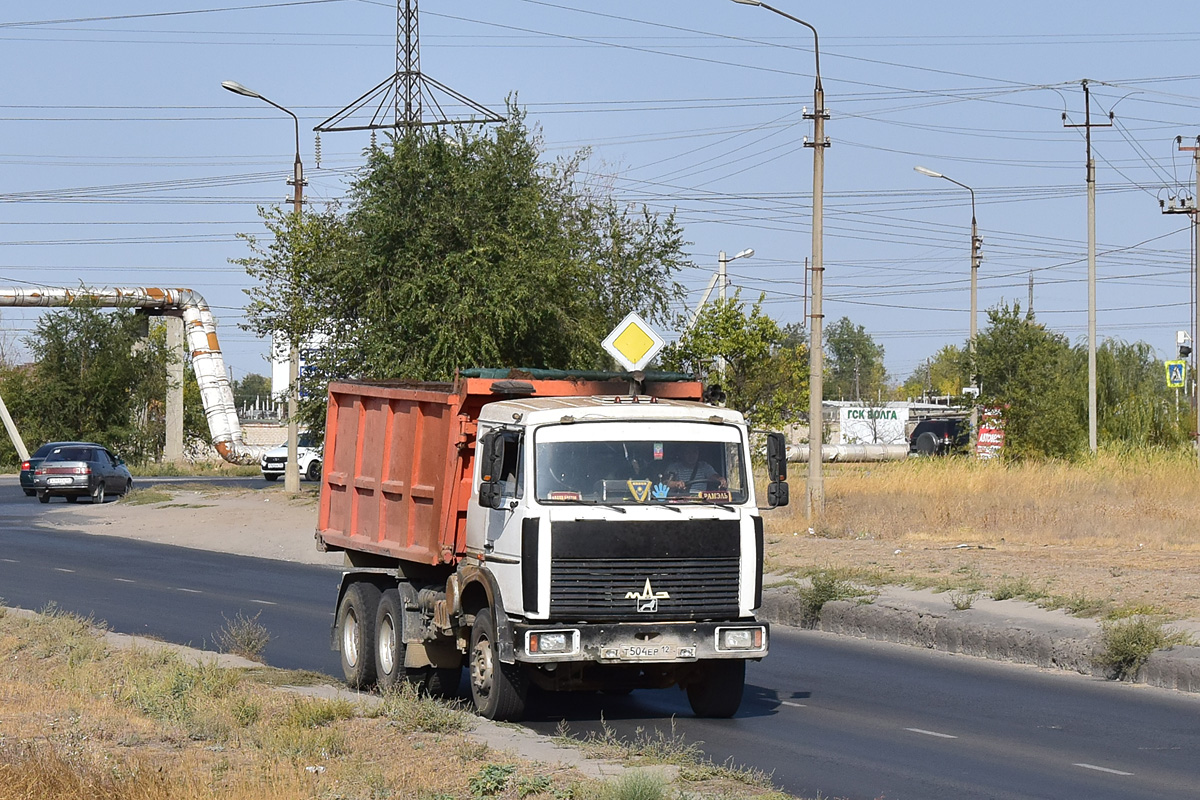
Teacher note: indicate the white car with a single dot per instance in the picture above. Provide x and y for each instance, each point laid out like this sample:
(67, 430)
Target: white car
(309, 458)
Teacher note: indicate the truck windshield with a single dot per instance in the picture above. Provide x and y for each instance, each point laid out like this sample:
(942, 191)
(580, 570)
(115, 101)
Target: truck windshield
(686, 464)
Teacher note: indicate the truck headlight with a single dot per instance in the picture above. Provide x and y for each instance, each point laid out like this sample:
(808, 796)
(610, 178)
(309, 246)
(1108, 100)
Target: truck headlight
(740, 638)
(550, 642)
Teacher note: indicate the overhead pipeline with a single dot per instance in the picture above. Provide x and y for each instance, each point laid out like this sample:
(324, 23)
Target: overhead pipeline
(200, 328)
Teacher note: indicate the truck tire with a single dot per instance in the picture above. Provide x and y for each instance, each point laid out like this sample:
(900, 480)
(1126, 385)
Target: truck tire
(498, 690)
(442, 682)
(389, 641)
(717, 692)
(356, 633)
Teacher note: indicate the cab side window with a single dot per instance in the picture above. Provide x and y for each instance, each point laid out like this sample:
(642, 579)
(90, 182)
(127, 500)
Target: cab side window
(512, 473)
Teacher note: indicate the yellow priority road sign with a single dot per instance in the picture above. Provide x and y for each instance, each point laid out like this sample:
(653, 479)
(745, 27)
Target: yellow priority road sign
(633, 343)
(1176, 374)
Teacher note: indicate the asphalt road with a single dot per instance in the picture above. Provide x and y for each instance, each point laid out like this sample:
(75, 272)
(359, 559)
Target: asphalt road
(842, 717)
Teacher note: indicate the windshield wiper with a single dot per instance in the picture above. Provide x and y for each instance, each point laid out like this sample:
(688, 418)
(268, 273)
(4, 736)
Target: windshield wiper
(613, 506)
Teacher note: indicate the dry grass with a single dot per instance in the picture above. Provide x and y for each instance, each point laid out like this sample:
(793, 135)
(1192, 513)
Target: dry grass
(1124, 528)
(80, 720)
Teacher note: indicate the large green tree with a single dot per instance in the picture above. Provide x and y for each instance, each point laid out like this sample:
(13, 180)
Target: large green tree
(766, 365)
(1031, 373)
(463, 247)
(854, 363)
(1133, 404)
(1040, 381)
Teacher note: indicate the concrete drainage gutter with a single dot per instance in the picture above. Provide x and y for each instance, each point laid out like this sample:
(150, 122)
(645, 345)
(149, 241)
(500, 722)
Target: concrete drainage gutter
(1007, 630)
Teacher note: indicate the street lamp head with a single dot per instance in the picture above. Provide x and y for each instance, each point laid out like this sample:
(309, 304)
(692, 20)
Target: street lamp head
(749, 2)
(237, 88)
(749, 251)
(928, 172)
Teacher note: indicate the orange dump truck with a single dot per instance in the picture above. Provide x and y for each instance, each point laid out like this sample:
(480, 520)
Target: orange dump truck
(545, 529)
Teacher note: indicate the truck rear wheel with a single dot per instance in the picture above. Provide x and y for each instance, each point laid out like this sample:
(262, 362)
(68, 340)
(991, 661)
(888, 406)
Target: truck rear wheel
(389, 641)
(498, 690)
(717, 692)
(356, 633)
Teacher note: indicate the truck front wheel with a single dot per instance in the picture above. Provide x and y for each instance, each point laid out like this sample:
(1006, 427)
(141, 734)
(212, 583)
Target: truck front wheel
(356, 633)
(498, 690)
(717, 690)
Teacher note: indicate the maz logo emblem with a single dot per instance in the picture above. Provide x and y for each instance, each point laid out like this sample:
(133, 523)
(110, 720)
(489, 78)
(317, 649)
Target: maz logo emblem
(647, 601)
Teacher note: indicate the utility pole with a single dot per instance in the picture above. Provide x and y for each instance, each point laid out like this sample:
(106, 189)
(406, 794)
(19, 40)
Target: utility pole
(1192, 210)
(816, 361)
(1091, 224)
(1029, 308)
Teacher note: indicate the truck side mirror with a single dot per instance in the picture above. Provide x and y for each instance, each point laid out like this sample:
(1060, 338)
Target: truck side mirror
(777, 489)
(776, 457)
(491, 451)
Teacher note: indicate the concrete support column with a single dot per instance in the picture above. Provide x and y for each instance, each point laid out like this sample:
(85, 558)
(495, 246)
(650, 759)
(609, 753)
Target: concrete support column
(173, 448)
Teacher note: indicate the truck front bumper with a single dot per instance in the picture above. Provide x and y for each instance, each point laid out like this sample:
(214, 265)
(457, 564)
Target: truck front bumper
(641, 642)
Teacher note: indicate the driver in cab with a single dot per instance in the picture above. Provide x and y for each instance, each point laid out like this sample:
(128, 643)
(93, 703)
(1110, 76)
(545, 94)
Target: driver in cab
(688, 473)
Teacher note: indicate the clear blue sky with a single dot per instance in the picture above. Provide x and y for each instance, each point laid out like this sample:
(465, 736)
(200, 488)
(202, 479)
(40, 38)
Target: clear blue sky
(124, 162)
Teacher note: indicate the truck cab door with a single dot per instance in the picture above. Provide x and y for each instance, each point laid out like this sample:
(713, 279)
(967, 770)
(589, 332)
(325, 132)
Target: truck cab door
(502, 535)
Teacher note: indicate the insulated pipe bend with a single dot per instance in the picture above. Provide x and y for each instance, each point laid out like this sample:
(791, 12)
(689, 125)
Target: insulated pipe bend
(201, 331)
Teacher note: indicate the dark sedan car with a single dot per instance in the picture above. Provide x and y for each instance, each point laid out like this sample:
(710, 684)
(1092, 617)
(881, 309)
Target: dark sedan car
(81, 469)
(39, 455)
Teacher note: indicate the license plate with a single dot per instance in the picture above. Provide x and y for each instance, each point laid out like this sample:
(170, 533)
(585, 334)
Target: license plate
(639, 652)
(58, 481)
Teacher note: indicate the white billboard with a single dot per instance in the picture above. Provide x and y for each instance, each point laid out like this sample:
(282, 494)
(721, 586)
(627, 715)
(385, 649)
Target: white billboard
(873, 425)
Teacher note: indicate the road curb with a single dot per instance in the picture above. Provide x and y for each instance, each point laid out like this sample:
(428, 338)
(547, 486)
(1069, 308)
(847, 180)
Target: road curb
(996, 630)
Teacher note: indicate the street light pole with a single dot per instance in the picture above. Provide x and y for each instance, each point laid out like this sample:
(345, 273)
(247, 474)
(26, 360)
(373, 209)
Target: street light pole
(291, 473)
(816, 367)
(976, 256)
(723, 283)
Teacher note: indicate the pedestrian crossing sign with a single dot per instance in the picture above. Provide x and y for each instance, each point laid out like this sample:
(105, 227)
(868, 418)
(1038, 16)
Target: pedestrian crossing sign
(1176, 374)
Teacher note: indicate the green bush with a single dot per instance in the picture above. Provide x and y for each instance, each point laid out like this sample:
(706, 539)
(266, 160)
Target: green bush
(1129, 641)
(825, 586)
(635, 785)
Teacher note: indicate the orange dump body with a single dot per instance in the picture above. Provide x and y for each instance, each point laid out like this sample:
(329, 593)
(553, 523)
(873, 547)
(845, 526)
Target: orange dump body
(399, 460)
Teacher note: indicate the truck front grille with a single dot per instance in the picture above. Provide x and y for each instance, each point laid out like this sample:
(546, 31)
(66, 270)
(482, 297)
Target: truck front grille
(599, 589)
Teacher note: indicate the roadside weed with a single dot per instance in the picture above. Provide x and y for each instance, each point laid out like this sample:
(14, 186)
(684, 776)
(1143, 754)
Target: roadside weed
(1020, 588)
(1129, 641)
(145, 497)
(491, 780)
(961, 599)
(634, 785)
(825, 586)
(242, 636)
